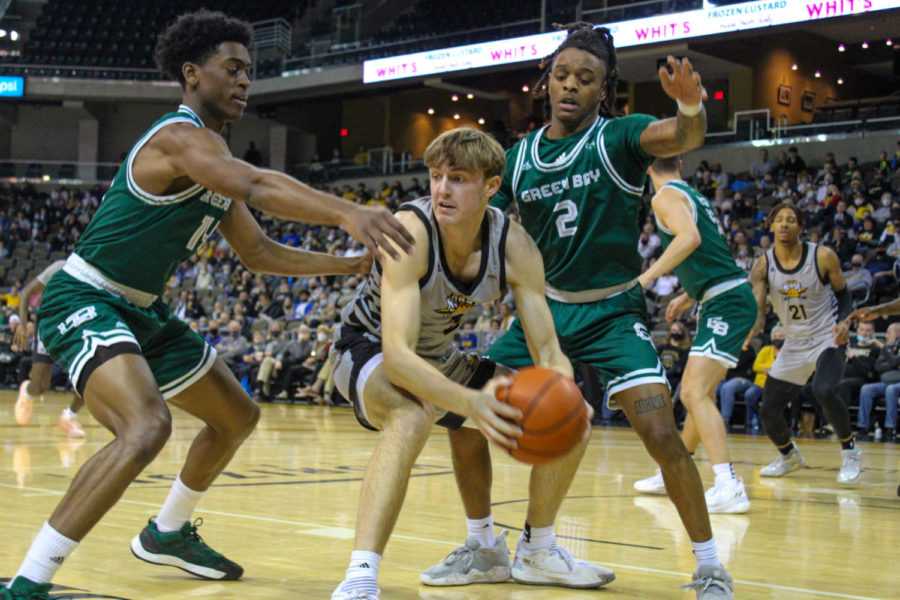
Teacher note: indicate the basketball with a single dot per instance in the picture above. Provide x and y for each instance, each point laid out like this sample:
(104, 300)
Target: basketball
(554, 415)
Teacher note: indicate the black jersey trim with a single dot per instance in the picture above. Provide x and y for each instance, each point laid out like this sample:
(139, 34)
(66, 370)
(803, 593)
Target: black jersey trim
(469, 288)
(800, 264)
(502, 253)
(816, 263)
(428, 227)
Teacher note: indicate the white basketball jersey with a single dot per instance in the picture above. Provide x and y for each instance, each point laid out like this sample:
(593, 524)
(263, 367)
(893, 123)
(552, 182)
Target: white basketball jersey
(445, 301)
(802, 299)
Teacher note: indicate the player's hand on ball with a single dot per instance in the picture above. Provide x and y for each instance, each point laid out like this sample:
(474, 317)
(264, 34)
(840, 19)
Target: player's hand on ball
(496, 420)
(868, 313)
(841, 333)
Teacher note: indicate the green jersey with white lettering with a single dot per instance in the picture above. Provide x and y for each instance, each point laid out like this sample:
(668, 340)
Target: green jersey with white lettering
(711, 262)
(138, 239)
(579, 198)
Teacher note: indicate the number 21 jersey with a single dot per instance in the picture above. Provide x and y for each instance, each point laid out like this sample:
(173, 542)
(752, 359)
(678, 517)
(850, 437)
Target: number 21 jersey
(801, 298)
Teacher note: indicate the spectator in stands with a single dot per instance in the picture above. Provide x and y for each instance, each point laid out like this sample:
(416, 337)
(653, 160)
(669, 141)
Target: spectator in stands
(649, 242)
(737, 380)
(795, 165)
(506, 316)
(895, 162)
(842, 217)
(843, 246)
(483, 322)
(765, 242)
(887, 366)
(253, 155)
(761, 366)
(719, 176)
(361, 158)
(663, 288)
(673, 352)
(232, 346)
(251, 359)
(867, 237)
(761, 166)
(850, 169)
(744, 257)
(859, 280)
(862, 352)
(415, 188)
(288, 364)
(881, 266)
(883, 211)
(861, 206)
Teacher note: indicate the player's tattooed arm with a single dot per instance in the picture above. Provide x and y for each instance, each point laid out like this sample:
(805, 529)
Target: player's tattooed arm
(760, 284)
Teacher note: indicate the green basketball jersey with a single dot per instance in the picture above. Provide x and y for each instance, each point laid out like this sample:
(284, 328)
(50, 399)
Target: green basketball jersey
(138, 239)
(579, 198)
(711, 262)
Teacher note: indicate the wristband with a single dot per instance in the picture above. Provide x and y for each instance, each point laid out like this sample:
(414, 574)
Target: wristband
(689, 110)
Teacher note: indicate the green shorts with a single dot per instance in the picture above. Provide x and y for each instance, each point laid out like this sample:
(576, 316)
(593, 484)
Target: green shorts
(723, 325)
(610, 335)
(82, 326)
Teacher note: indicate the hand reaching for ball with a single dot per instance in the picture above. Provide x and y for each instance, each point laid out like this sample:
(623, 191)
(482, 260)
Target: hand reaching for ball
(496, 420)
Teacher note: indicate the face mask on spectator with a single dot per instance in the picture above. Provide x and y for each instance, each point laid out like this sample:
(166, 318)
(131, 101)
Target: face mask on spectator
(213, 331)
(676, 336)
(886, 202)
(742, 253)
(778, 343)
(858, 201)
(321, 336)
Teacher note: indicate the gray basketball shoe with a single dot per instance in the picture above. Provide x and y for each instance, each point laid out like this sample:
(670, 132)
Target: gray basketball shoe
(471, 563)
(784, 464)
(712, 583)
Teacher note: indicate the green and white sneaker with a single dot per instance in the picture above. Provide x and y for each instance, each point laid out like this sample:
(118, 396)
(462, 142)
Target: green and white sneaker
(184, 549)
(471, 563)
(25, 589)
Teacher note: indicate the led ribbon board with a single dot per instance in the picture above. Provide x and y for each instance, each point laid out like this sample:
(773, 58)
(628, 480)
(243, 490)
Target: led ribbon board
(650, 30)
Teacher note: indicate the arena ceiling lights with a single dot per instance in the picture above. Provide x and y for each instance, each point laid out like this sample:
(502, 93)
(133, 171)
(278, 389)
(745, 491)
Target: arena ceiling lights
(661, 28)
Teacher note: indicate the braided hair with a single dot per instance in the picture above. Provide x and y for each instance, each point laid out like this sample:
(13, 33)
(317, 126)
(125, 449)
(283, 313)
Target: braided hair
(599, 42)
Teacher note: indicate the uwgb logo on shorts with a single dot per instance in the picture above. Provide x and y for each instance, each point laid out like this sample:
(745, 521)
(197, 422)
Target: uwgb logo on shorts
(78, 317)
(717, 325)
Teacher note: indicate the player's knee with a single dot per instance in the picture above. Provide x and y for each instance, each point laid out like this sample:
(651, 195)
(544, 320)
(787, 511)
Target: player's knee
(693, 394)
(769, 410)
(663, 442)
(147, 436)
(248, 418)
(39, 386)
(410, 416)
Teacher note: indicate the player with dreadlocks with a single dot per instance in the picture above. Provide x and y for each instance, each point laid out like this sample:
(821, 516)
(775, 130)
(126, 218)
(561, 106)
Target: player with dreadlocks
(578, 183)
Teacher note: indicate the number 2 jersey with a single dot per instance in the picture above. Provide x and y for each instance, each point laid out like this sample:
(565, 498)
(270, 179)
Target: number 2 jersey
(802, 299)
(138, 239)
(579, 199)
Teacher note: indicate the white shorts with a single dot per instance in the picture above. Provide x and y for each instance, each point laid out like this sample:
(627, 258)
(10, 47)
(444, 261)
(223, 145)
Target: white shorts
(358, 354)
(797, 359)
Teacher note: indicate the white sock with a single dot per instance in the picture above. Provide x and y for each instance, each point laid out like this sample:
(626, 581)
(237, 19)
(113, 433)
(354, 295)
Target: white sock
(68, 414)
(724, 473)
(537, 538)
(362, 574)
(178, 508)
(706, 552)
(482, 530)
(46, 555)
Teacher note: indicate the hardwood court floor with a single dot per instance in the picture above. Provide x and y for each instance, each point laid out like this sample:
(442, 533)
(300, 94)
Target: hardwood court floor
(285, 510)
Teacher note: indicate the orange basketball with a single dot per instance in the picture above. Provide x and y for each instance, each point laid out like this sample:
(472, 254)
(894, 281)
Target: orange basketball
(554, 415)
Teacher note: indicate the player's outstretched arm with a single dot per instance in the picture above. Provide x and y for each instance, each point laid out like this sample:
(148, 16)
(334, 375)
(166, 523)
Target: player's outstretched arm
(686, 130)
(673, 212)
(760, 284)
(202, 155)
(261, 254)
(400, 325)
(870, 313)
(525, 274)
